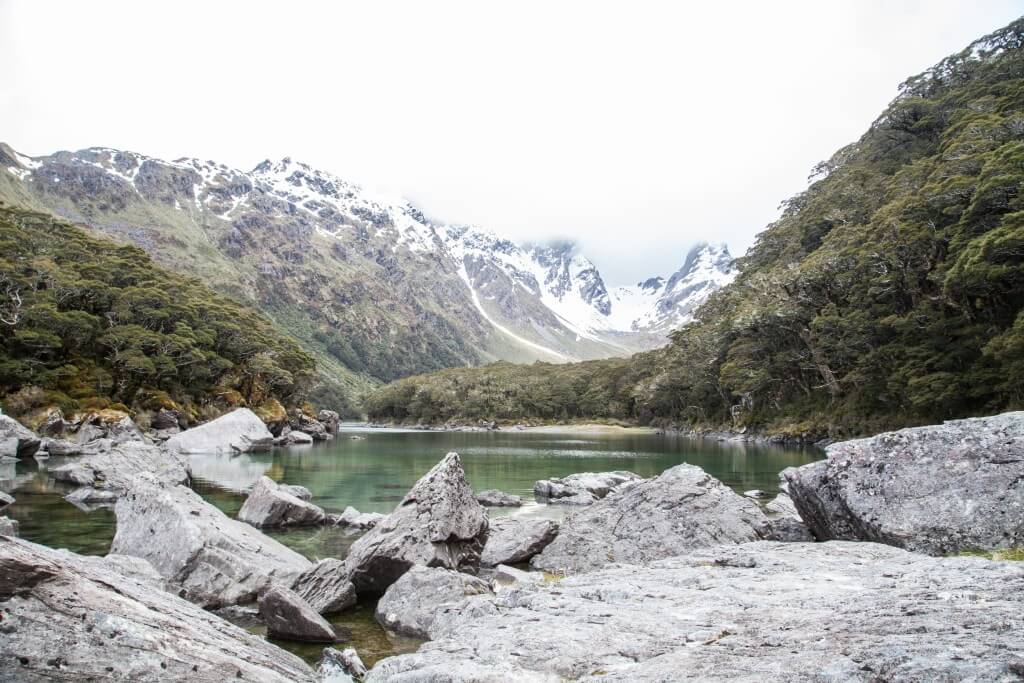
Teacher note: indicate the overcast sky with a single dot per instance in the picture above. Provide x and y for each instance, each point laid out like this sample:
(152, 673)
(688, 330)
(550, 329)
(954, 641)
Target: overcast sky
(633, 128)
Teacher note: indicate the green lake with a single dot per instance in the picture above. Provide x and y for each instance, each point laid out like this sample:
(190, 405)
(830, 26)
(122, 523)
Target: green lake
(371, 469)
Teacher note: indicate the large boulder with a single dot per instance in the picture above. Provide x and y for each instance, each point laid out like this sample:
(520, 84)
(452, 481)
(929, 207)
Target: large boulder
(239, 431)
(497, 499)
(513, 540)
(115, 466)
(212, 559)
(437, 524)
(330, 420)
(71, 618)
(938, 490)
(761, 611)
(270, 505)
(411, 603)
(289, 617)
(325, 586)
(582, 488)
(16, 440)
(681, 509)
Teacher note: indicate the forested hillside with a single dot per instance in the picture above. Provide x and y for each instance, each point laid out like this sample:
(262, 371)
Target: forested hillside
(86, 323)
(888, 293)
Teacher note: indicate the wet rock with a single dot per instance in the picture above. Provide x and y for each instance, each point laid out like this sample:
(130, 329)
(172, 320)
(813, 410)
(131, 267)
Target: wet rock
(270, 505)
(581, 489)
(681, 509)
(513, 540)
(437, 524)
(239, 431)
(211, 559)
(77, 619)
(755, 493)
(351, 517)
(325, 586)
(8, 526)
(290, 617)
(16, 440)
(411, 603)
(938, 490)
(345, 662)
(5, 499)
(760, 611)
(496, 498)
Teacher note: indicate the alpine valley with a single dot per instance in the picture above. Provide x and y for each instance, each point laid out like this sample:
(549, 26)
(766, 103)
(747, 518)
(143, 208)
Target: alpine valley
(370, 286)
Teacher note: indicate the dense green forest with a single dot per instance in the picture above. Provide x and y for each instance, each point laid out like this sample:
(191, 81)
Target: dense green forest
(888, 293)
(88, 323)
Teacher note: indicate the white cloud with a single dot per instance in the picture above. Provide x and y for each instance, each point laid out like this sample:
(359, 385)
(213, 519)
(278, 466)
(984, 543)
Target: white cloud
(635, 128)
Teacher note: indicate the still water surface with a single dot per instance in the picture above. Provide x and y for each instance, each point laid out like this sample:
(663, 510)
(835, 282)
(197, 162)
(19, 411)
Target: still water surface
(373, 473)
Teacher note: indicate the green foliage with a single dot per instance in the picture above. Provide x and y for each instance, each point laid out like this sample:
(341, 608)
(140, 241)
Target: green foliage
(889, 292)
(83, 318)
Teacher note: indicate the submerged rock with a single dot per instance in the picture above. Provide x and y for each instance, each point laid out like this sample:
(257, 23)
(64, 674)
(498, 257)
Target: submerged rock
(761, 611)
(239, 431)
(583, 488)
(496, 498)
(290, 617)
(351, 517)
(72, 618)
(344, 662)
(16, 440)
(681, 509)
(513, 540)
(270, 505)
(437, 524)
(411, 603)
(325, 586)
(212, 559)
(939, 490)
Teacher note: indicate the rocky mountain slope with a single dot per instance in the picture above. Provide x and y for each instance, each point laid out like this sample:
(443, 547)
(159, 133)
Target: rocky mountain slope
(371, 286)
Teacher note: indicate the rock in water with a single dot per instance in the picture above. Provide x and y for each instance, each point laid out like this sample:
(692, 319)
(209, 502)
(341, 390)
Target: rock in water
(71, 618)
(288, 616)
(240, 431)
(681, 509)
(437, 524)
(939, 490)
(410, 604)
(214, 560)
(760, 611)
(8, 526)
(351, 517)
(512, 540)
(581, 489)
(497, 499)
(114, 467)
(300, 492)
(325, 586)
(270, 505)
(21, 442)
(5, 499)
(347, 662)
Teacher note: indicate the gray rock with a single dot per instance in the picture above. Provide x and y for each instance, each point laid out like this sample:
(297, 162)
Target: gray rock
(325, 586)
(789, 530)
(5, 500)
(681, 509)
(8, 526)
(124, 430)
(269, 505)
(87, 496)
(513, 540)
(296, 437)
(411, 603)
(166, 419)
(55, 426)
(87, 432)
(69, 618)
(782, 505)
(337, 664)
(290, 617)
(330, 420)
(22, 442)
(60, 447)
(212, 559)
(939, 490)
(761, 611)
(351, 517)
(437, 524)
(504, 574)
(115, 466)
(300, 492)
(581, 489)
(239, 431)
(496, 498)
(755, 493)
(75, 473)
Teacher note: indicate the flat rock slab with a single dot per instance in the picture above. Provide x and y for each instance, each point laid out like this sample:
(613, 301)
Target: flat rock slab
(212, 559)
(325, 586)
(761, 611)
(681, 509)
(289, 617)
(938, 490)
(513, 540)
(437, 524)
(410, 605)
(273, 505)
(114, 466)
(71, 618)
(582, 488)
(239, 431)
(498, 499)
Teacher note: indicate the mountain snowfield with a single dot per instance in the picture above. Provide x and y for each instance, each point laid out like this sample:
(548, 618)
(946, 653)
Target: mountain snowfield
(518, 302)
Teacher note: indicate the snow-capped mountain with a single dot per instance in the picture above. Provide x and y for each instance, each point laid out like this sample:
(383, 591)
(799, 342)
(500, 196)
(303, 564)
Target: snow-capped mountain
(366, 280)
